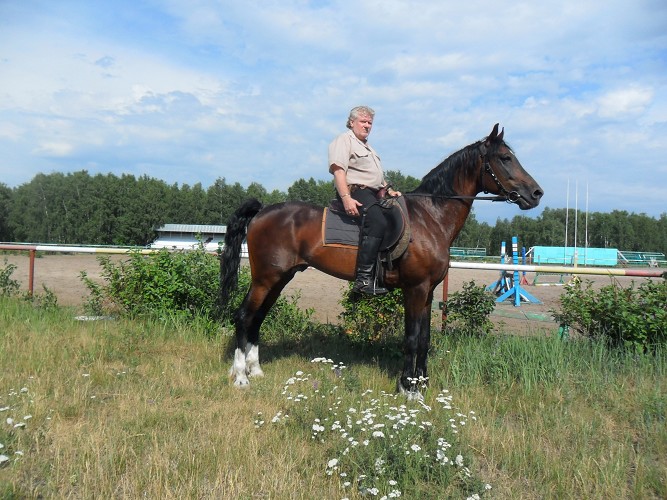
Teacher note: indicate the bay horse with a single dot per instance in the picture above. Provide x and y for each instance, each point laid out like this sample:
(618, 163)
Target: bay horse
(286, 238)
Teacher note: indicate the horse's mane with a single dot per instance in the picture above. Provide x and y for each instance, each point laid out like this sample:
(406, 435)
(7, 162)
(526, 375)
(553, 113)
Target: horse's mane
(440, 180)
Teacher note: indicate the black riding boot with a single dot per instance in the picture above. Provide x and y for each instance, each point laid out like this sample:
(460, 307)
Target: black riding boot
(366, 260)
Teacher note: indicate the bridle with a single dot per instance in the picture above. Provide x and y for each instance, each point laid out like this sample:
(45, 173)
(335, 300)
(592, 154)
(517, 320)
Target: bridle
(507, 196)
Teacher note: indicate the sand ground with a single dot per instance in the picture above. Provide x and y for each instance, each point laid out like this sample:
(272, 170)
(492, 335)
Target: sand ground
(61, 274)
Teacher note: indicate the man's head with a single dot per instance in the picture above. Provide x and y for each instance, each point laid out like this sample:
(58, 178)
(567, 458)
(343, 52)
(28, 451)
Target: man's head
(360, 121)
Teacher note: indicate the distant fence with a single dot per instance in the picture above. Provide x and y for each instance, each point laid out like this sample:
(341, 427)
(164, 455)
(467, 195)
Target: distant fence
(467, 252)
(649, 259)
(646, 273)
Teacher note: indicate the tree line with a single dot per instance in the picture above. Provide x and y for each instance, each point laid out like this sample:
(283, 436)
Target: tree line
(79, 208)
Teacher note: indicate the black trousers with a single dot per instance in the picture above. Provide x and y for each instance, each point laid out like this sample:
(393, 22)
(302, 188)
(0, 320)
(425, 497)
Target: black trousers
(374, 224)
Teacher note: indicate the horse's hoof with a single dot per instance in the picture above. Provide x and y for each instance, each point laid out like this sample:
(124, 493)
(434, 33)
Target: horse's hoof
(255, 372)
(411, 394)
(242, 382)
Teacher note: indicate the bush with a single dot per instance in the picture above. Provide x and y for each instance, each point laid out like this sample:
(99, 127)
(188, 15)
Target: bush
(633, 316)
(177, 286)
(8, 286)
(372, 319)
(185, 283)
(468, 311)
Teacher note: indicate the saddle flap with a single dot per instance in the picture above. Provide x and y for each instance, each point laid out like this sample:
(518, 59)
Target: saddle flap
(338, 228)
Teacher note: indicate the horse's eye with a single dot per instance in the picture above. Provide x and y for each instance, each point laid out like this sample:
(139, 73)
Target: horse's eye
(506, 158)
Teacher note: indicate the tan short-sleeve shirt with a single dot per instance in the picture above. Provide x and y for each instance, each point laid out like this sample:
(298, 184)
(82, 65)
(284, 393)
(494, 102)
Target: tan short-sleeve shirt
(360, 161)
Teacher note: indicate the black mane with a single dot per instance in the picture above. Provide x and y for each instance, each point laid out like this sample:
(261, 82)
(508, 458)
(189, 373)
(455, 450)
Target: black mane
(440, 180)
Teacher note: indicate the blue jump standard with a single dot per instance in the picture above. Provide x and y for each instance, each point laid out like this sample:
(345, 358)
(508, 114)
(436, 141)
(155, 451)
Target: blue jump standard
(511, 286)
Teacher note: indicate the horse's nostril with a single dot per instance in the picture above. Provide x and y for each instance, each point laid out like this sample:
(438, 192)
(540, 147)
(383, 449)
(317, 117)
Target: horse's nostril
(537, 194)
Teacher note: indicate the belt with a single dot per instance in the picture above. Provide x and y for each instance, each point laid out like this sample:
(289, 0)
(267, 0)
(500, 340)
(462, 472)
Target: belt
(354, 187)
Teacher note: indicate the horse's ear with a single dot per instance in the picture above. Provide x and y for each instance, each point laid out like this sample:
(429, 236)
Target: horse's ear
(493, 134)
(501, 134)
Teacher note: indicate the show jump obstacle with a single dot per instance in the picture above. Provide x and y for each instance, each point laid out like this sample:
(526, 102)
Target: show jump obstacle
(509, 284)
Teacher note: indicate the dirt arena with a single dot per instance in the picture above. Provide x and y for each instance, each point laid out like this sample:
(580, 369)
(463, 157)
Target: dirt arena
(61, 275)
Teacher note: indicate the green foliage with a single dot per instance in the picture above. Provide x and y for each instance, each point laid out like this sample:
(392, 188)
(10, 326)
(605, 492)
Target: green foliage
(372, 319)
(47, 301)
(8, 286)
(170, 284)
(182, 286)
(468, 311)
(77, 208)
(635, 316)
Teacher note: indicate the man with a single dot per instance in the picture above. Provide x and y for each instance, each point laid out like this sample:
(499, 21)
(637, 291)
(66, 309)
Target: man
(358, 177)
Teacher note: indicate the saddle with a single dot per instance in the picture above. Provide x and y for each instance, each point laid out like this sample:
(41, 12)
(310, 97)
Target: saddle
(342, 230)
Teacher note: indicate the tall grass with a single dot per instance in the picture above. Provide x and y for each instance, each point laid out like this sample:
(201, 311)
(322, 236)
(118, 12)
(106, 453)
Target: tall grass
(144, 408)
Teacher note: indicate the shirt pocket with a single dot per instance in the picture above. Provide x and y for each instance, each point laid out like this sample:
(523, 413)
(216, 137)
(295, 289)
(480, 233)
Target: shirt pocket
(361, 158)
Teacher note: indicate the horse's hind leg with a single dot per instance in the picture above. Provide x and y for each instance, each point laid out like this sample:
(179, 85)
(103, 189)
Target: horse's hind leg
(249, 318)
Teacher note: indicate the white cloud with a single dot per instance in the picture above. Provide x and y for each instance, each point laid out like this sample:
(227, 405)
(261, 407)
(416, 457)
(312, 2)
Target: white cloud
(172, 88)
(632, 100)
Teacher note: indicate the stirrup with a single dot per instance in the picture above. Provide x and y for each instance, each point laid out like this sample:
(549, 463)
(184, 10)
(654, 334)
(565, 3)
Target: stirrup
(368, 288)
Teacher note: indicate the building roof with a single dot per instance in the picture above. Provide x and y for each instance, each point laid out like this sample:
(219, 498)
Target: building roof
(192, 229)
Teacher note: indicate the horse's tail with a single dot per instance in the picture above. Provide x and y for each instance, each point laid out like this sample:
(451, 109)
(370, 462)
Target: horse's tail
(231, 252)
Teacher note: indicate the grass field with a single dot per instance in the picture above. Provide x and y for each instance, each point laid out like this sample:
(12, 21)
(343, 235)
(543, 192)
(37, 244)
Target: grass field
(129, 409)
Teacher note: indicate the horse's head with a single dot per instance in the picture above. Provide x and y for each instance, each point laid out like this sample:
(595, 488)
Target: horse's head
(502, 173)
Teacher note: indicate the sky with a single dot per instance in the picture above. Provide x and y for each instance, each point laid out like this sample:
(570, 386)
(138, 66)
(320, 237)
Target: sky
(254, 91)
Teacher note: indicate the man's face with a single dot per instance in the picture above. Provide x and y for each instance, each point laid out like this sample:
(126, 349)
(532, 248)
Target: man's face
(361, 127)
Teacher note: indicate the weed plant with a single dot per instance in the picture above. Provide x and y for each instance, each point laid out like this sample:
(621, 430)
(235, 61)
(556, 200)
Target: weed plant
(8, 285)
(379, 445)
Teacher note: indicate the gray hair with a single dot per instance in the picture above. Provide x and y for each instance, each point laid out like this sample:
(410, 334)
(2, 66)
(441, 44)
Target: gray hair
(357, 112)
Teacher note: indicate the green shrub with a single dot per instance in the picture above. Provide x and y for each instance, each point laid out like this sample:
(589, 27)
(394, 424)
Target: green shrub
(8, 286)
(177, 286)
(468, 311)
(181, 283)
(634, 316)
(372, 319)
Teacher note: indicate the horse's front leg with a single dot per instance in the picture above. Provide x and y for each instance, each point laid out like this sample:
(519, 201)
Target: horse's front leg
(412, 358)
(423, 346)
(406, 382)
(415, 344)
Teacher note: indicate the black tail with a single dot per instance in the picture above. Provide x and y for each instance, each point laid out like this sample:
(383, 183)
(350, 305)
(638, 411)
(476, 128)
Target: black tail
(231, 252)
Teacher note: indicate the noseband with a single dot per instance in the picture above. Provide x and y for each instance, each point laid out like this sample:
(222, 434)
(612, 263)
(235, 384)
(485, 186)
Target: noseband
(509, 196)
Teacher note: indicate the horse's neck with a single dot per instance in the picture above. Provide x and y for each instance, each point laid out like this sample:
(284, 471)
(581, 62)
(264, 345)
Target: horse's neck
(443, 218)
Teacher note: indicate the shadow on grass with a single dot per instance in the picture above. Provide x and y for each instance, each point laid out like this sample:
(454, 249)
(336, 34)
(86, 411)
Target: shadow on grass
(331, 342)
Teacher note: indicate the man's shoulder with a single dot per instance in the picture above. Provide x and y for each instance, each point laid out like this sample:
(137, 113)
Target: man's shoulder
(346, 136)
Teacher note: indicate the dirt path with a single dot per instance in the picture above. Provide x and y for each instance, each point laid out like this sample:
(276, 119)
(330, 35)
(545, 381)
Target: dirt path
(322, 293)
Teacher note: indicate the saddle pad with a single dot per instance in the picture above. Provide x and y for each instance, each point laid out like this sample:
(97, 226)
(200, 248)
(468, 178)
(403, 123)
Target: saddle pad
(339, 229)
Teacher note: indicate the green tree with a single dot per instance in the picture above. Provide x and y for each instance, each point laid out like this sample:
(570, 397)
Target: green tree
(6, 195)
(401, 182)
(317, 192)
(222, 200)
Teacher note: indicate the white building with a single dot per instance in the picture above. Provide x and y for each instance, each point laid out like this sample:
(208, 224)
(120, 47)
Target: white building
(184, 237)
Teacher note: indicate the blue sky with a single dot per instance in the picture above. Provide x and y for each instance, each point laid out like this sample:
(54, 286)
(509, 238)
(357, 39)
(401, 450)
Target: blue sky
(190, 91)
